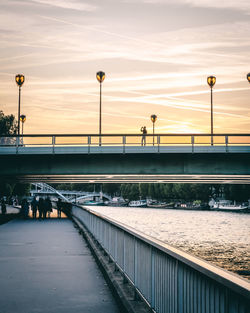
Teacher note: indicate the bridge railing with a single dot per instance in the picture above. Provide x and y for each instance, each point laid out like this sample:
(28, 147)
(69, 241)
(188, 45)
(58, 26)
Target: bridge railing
(170, 280)
(57, 140)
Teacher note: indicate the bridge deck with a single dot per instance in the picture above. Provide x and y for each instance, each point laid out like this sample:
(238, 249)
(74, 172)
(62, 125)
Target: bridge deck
(46, 266)
(12, 150)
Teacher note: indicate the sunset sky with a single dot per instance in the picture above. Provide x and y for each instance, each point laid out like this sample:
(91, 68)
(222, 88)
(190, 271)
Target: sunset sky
(156, 54)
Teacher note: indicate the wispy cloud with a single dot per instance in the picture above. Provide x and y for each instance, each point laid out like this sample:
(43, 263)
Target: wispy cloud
(162, 70)
(240, 5)
(68, 4)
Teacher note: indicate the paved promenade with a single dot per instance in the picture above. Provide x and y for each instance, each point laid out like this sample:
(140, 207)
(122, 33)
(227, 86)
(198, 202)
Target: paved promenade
(46, 266)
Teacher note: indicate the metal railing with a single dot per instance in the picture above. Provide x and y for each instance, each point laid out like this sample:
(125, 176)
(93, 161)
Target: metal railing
(124, 140)
(171, 281)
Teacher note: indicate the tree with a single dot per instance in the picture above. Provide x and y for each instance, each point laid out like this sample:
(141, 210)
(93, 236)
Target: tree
(21, 189)
(5, 190)
(237, 192)
(111, 189)
(8, 124)
(143, 189)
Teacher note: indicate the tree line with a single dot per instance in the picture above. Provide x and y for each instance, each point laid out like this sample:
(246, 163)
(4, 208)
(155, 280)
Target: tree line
(165, 192)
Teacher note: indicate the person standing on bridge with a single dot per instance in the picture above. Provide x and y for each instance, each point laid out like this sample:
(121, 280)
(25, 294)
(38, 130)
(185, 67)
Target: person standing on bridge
(144, 133)
(59, 208)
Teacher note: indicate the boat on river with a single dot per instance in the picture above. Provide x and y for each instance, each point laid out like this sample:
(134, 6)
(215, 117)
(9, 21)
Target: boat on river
(95, 203)
(138, 204)
(227, 205)
(117, 202)
(159, 205)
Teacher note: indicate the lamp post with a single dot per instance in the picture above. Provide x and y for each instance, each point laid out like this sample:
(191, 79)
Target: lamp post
(153, 119)
(211, 80)
(248, 77)
(100, 77)
(22, 119)
(19, 80)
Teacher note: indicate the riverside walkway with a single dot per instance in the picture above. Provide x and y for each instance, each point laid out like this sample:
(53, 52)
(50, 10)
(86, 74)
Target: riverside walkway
(46, 266)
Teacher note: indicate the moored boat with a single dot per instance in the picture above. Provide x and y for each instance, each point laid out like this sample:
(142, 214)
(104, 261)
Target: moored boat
(138, 203)
(96, 203)
(117, 202)
(227, 205)
(160, 205)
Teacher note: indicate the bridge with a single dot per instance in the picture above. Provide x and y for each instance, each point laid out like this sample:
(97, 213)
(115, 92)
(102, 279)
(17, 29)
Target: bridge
(121, 158)
(66, 195)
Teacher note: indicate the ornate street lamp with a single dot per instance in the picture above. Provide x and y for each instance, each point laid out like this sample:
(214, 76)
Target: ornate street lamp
(153, 119)
(19, 80)
(211, 80)
(22, 119)
(248, 77)
(100, 77)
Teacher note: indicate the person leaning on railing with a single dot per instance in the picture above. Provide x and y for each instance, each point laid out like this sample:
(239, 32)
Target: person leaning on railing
(144, 133)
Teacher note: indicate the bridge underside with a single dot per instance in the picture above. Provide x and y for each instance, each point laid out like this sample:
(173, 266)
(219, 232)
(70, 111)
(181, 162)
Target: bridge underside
(205, 179)
(127, 168)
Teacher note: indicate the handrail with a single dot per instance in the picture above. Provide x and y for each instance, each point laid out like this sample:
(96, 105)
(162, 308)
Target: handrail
(169, 279)
(133, 135)
(221, 275)
(128, 142)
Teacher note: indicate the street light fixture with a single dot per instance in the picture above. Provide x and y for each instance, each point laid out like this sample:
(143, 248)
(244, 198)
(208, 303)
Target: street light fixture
(248, 77)
(211, 80)
(100, 77)
(153, 119)
(22, 119)
(19, 80)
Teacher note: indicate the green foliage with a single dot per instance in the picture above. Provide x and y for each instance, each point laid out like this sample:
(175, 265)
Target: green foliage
(8, 124)
(111, 189)
(5, 189)
(21, 189)
(237, 192)
(130, 191)
(164, 191)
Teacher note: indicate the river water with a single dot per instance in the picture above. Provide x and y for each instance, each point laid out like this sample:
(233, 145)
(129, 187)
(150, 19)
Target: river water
(222, 238)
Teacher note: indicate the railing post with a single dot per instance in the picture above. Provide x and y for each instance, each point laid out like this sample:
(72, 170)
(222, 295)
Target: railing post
(135, 266)
(152, 278)
(158, 143)
(53, 143)
(89, 143)
(17, 144)
(124, 143)
(124, 251)
(226, 141)
(192, 141)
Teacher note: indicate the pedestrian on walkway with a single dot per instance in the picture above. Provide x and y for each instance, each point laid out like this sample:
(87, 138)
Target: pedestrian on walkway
(25, 208)
(34, 207)
(47, 207)
(3, 207)
(144, 133)
(40, 207)
(59, 208)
